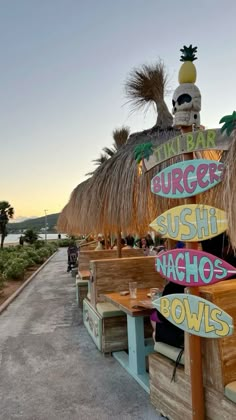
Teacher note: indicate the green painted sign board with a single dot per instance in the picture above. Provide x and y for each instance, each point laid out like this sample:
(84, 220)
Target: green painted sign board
(211, 139)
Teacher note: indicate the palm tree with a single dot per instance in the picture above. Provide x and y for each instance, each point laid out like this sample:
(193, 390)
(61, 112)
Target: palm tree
(6, 213)
(147, 86)
(120, 137)
(229, 123)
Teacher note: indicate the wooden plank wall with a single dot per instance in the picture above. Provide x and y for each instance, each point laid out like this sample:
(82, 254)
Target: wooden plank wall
(220, 354)
(114, 275)
(86, 256)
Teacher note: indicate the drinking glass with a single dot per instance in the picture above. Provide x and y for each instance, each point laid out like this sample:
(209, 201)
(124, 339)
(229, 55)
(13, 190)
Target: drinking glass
(133, 289)
(155, 293)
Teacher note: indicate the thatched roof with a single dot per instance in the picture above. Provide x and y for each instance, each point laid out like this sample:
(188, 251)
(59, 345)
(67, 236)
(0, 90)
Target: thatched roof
(68, 221)
(225, 194)
(117, 197)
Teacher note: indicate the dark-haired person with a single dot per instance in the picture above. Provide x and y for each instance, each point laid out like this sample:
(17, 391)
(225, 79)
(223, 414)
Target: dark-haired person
(129, 241)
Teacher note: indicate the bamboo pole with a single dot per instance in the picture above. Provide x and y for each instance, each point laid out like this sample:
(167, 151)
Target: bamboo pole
(196, 374)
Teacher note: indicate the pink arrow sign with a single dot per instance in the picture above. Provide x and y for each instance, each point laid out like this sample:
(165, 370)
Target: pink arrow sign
(190, 267)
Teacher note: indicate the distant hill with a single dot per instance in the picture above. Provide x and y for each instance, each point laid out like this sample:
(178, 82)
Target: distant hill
(36, 224)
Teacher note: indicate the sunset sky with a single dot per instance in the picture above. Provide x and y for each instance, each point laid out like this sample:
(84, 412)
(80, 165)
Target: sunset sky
(62, 74)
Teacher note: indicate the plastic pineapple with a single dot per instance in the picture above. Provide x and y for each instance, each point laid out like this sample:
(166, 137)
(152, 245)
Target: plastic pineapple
(187, 97)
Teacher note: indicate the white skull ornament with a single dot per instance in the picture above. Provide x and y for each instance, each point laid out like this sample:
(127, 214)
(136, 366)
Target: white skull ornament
(186, 105)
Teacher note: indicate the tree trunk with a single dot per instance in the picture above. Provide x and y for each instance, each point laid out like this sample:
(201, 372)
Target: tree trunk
(164, 117)
(2, 239)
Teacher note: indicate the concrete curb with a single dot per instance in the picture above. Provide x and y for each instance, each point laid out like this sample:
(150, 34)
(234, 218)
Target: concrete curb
(18, 291)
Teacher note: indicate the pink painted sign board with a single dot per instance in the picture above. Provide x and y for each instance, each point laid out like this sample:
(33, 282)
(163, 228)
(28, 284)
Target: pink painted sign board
(190, 267)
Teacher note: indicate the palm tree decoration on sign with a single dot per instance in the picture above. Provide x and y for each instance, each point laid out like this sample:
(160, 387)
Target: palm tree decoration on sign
(143, 151)
(147, 86)
(120, 137)
(6, 213)
(229, 123)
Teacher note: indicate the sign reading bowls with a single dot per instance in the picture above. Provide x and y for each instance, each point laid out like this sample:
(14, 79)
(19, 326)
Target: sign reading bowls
(195, 315)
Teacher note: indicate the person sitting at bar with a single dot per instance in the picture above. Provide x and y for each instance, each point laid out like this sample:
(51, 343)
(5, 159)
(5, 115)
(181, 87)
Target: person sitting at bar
(129, 241)
(122, 241)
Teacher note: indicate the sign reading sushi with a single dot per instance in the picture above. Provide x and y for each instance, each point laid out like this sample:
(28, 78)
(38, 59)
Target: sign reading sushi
(187, 178)
(195, 315)
(190, 267)
(191, 223)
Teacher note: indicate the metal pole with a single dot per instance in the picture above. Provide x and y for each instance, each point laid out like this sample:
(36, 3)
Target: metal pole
(46, 225)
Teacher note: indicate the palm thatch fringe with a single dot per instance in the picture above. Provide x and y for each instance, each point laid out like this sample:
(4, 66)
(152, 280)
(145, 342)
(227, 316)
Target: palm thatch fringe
(226, 193)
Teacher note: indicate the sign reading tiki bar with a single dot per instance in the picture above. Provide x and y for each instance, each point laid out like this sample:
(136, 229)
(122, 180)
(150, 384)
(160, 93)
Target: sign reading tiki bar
(189, 142)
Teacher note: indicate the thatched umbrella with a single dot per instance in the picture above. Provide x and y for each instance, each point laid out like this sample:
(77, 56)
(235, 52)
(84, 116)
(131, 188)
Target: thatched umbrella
(67, 217)
(119, 197)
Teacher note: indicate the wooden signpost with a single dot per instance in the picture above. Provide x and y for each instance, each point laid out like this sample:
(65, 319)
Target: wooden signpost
(191, 223)
(186, 178)
(186, 143)
(190, 267)
(195, 315)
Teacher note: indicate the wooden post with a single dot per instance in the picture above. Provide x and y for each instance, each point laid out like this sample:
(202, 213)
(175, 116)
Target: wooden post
(119, 244)
(106, 241)
(198, 403)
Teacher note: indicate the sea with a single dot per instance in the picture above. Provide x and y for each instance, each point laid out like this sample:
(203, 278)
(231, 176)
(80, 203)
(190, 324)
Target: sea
(14, 238)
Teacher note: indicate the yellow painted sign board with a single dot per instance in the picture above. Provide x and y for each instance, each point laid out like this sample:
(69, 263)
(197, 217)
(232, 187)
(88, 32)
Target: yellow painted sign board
(191, 223)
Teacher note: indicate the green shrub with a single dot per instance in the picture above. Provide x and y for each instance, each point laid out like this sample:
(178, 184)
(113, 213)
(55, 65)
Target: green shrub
(39, 244)
(2, 281)
(15, 269)
(44, 253)
(3, 261)
(64, 242)
(52, 247)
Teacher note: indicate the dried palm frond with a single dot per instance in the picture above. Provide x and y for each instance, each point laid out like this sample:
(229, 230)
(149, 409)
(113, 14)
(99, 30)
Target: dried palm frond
(99, 161)
(121, 135)
(148, 86)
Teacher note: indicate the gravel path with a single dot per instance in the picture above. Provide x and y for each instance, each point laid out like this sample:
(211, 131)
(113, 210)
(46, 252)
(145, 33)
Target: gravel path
(50, 368)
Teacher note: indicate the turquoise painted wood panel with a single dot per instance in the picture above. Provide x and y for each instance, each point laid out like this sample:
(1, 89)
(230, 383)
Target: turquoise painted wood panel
(195, 315)
(191, 223)
(211, 139)
(190, 267)
(187, 178)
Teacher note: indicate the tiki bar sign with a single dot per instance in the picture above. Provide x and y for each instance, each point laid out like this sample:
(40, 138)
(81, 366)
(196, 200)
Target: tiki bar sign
(195, 315)
(189, 142)
(187, 178)
(189, 267)
(191, 223)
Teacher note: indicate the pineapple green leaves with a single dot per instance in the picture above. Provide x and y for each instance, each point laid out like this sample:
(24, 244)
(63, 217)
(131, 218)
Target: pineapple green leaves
(143, 151)
(188, 53)
(229, 123)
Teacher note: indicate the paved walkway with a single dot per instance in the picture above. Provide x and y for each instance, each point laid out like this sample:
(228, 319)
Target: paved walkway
(49, 367)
